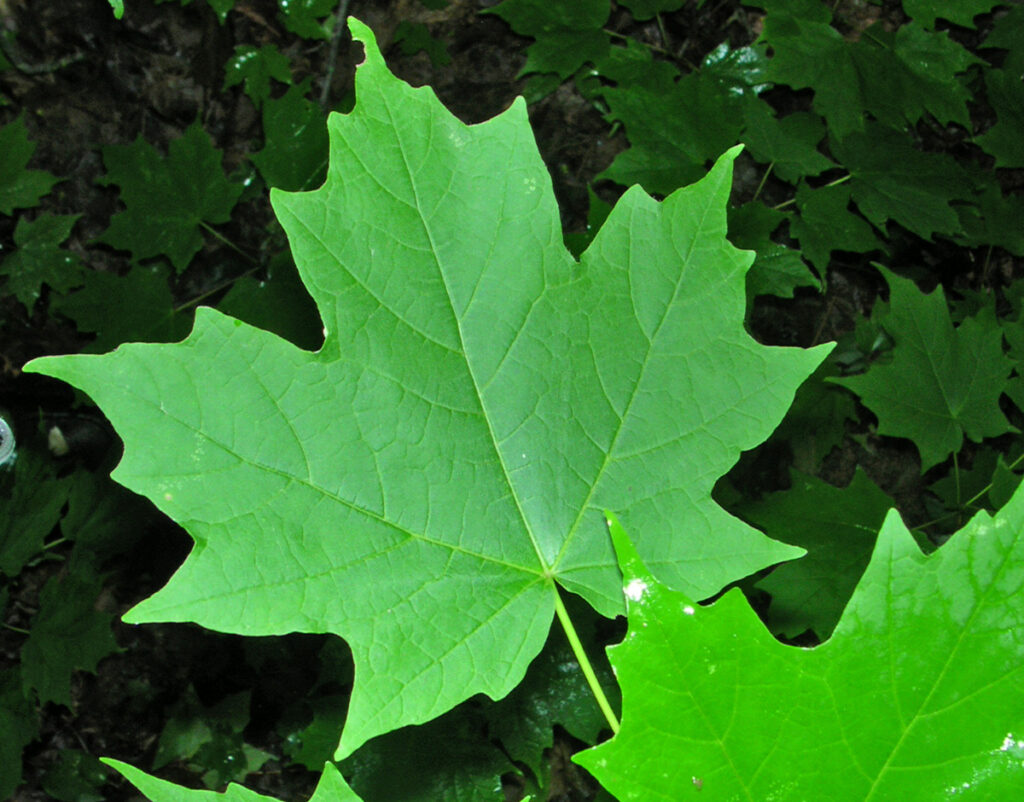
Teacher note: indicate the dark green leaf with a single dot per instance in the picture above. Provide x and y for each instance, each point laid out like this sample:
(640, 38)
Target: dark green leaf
(553, 692)
(413, 37)
(645, 9)
(314, 744)
(777, 270)
(810, 10)
(220, 7)
(838, 527)
(963, 484)
(1004, 484)
(816, 422)
(994, 219)
(943, 383)
(39, 259)
(305, 17)
(103, 518)
(147, 314)
(31, 498)
(278, 303)
(810, 54)
(1008, 34)
(896, 77)
(960, 12)
(906, 73)
(19, 724)
(568, 34)
(892, 180)
(790, 144)
(1005, 139)
(76, 777)
(597, 213)
(826, 224)
(255, 68)
(20, 188)
(674, 130)
(210, 738)
(68, 634)
(449, 758)
(167, 200)
(294, 156)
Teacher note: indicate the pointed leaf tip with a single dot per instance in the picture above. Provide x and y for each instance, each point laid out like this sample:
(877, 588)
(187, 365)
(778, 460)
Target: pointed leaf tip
(625, 552)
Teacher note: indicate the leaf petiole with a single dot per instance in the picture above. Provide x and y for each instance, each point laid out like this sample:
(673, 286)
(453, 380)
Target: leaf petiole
(584, 661)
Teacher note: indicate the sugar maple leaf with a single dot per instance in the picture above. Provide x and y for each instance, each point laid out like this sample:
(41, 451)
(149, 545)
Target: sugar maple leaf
(837, 526)
(420, 484)
(894, 77)
(167, 200)
(567, 34)
(943, 382)
(919, 694)
(331, 788)
(39, 259)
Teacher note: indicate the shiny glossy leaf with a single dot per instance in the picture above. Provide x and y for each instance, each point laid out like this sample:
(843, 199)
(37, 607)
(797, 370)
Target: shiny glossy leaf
(254, 68)
(918, 696)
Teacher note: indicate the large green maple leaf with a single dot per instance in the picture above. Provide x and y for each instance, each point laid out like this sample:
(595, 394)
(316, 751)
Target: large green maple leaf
(919, 694)
(419, 484)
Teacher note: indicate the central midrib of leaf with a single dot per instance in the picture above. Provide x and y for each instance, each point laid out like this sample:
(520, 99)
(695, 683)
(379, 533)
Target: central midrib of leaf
(442, 275)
